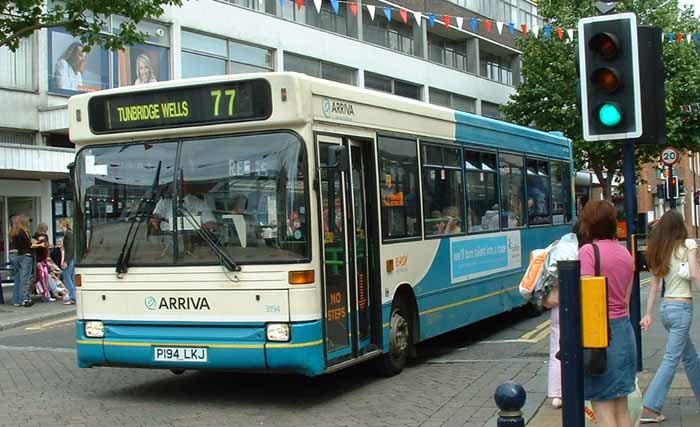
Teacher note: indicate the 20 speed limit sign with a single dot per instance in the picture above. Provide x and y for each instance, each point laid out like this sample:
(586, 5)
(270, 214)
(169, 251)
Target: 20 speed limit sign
(669, 156)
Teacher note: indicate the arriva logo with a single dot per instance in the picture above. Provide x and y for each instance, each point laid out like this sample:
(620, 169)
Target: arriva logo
(177, 303)
(327, 107)
(337, 109)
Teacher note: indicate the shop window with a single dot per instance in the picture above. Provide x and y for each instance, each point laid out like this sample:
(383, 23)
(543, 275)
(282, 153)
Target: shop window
(538, 192)
(483, 210)
(443, 191)
(398, 183)
(512, 206)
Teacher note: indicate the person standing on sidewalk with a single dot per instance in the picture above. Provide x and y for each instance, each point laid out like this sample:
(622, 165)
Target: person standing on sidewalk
(668, 248)
(22, 242)
(68, 265)
(608, 392)
(15, 267)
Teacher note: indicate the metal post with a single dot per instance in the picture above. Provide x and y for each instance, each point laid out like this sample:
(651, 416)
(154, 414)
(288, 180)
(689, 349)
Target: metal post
(510, 398)
(695, 207)
(631, 211)
(571, 341)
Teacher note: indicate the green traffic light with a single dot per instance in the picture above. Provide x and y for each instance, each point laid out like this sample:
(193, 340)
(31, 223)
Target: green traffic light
(609, 115)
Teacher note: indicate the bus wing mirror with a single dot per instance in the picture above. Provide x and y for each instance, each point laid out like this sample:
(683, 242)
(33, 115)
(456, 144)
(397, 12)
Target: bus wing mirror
(338, 157)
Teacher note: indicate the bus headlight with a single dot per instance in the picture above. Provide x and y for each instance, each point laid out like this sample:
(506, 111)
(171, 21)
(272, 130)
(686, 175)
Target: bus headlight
(278, 332)
(94, 329)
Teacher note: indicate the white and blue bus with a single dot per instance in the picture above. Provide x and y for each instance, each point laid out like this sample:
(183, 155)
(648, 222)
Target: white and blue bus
(279, 222)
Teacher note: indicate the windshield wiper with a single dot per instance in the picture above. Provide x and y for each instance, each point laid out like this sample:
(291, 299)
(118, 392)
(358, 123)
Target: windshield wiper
(210, 239)
(147, 206)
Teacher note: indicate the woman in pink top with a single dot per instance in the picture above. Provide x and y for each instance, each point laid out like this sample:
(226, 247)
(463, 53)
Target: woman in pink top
(608, 392)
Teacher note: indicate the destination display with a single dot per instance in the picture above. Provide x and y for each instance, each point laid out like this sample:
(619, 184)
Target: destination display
(215, 103)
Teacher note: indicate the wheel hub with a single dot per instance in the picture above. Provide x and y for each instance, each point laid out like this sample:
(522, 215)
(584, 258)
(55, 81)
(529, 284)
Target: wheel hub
(399, 333)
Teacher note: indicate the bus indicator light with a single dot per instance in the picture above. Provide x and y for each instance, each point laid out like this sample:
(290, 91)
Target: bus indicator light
(304, 277)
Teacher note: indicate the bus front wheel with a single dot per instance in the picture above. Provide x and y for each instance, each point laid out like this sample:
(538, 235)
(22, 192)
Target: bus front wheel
(400, 340)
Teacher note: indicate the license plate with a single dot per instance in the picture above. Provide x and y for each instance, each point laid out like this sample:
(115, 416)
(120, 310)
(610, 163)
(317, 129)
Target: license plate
(180, 354)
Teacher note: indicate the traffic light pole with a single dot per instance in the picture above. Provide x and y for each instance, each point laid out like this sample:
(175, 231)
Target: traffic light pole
(631, 211)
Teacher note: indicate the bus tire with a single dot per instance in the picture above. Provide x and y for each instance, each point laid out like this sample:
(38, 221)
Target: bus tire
(400, 340)
(177, 371)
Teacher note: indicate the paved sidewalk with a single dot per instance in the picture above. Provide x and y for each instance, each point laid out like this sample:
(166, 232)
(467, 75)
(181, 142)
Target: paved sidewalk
(12, 317)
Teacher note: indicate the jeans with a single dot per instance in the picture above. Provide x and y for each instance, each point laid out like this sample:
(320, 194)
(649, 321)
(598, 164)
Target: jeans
(15, 274)
(676, 317)
(24, 272)
(69, 279)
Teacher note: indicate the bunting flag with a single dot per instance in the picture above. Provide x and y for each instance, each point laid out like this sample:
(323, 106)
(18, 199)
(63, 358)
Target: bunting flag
(431, 19)
(300, 3)
(317, 3)
(697, 38)
(688, 38)
(335, 4)
(404, 15)
(418, 16)
(370, 9)
(679, 37)
(690, 108)
(460, 22)
(489, 25)
(524, 29)
(560, 33)
(499, 26)
(353, 9)
(547, 32)
(511, 27)
(536, 31)
(447, 19)
(570, 32)
(475, 25)
(671, 37)
(387, 13)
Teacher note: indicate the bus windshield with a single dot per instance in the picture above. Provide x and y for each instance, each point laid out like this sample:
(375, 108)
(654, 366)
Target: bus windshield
(248, 192)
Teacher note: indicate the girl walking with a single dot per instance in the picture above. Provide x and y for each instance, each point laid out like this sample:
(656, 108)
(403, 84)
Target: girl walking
(669, 248)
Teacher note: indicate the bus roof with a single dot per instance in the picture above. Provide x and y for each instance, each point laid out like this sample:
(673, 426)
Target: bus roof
(297, 99)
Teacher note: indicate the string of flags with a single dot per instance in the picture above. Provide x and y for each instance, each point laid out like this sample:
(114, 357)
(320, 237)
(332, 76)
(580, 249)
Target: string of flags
(476, 25)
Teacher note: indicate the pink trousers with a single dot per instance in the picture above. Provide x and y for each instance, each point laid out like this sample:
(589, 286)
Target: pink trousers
(554, 374)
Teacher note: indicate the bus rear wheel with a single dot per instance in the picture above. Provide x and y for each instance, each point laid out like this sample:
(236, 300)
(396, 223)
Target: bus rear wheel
(400, 340)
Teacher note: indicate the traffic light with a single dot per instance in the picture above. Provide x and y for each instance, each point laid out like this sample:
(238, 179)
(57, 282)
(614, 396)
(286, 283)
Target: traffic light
(696, 197)
(672, 187)
(609, 72)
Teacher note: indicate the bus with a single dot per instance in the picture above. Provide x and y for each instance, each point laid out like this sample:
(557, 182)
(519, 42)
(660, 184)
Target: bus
(279, 222)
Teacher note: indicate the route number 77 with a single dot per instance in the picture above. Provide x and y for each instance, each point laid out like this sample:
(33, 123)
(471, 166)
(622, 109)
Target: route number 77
(231, 93)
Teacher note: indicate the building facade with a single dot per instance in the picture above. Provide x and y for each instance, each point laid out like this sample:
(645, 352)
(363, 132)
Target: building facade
(473, 71)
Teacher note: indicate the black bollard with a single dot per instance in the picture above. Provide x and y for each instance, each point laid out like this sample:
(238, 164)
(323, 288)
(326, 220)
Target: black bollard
(510, 398)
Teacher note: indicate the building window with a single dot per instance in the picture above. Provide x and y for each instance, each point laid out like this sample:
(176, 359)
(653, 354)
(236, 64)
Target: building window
(443, 191)
(250, 4)
(450, 53)
(393, 35)
(482, 191)
(452, 100)
(496, 68)
(326, 19)
(17, 68)
(397, 87)
(19, 138)
(511, 172)
(73, 71)
(538, 192)
(204, 55)
(320, 69)
(398, 183)
(489, 109)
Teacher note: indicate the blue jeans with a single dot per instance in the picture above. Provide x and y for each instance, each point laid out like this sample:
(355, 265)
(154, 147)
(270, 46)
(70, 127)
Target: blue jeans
(24, 264)
(15, 274)
(69, 279)
(676, 317)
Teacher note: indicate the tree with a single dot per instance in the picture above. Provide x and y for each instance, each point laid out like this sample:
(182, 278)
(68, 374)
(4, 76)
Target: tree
(83, 19)
(547, 99)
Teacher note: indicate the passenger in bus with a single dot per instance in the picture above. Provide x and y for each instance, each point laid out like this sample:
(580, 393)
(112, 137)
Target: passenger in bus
(438, 224)
(490, 219)
(162, 217)
(453, 225)
(243, 224)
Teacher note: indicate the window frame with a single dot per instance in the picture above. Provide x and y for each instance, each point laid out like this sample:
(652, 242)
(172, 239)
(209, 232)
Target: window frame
(539, 160)
(523, 187)
(422, 165)
(482, 150)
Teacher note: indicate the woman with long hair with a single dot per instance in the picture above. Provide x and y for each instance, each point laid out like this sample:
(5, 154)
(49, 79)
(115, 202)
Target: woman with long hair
(608, 392)
(667, 249)
(22, 242)
(144, 70)
(68, 265)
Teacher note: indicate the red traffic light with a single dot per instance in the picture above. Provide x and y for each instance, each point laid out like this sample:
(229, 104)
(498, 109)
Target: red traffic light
(605, 45)
(606, 79)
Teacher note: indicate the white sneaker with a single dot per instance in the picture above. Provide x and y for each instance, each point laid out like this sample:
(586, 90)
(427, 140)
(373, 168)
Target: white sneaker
(556, 403)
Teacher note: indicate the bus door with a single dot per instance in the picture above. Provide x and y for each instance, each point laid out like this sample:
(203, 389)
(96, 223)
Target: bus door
(342, 182)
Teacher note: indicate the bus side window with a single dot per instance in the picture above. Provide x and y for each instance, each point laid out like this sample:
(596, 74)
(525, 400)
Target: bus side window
(512, 200)
(482, 191)
(538, 192)
(443, 197)
(398, 186)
